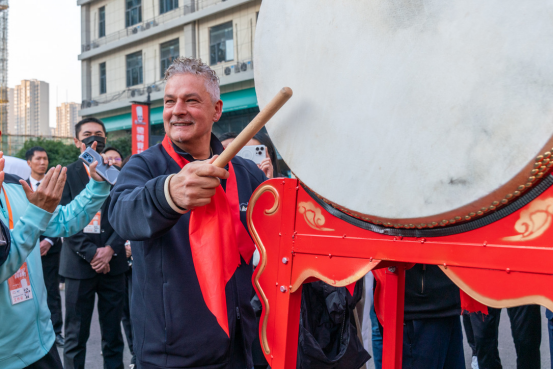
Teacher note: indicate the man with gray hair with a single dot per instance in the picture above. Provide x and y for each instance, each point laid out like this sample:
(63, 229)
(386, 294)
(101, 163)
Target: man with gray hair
(179, 318)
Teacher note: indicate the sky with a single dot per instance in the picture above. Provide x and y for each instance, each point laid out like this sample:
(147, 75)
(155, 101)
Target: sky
(44, 40)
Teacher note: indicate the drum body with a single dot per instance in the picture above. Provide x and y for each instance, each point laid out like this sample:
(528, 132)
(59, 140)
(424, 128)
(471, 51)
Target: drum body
(410, 114)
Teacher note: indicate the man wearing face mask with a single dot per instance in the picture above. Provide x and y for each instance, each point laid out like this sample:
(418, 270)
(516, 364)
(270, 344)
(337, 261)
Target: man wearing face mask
(93, 262)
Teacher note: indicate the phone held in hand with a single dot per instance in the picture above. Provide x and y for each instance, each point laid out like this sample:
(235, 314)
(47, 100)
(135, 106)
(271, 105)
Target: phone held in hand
(105, 171)
(255, 153)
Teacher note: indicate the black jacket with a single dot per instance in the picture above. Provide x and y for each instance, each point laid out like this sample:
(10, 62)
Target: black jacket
(79, 249)
(172, 324)
(430, 294)
(57, 241)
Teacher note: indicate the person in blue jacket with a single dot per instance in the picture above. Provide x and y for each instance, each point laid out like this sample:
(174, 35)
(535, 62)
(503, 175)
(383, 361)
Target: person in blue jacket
(172, 325)
(26, 332)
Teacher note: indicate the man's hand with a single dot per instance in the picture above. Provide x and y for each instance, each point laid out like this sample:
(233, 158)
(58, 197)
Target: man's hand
(195, 184)
(49, 193)
(44, 247)
(267, 167)
(92, 168)
(102, 259)
(128, 252)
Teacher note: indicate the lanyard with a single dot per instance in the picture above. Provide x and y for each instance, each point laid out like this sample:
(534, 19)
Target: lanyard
(88, 171)
(9, 208)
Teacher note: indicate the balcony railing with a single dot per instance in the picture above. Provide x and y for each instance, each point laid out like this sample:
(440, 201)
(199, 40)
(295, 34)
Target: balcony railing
(140, 91)
(193, 6)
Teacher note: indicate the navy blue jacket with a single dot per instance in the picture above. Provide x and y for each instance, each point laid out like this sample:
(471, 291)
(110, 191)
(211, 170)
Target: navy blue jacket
(173, 328)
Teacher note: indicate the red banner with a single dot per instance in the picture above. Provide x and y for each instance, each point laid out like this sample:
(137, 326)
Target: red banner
(140, 115)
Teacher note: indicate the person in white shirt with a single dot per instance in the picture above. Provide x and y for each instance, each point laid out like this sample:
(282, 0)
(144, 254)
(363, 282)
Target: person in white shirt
(50, 247)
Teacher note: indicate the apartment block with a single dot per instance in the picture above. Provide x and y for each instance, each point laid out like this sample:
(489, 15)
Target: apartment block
(67, 115)
(128, 45)
(29, 108)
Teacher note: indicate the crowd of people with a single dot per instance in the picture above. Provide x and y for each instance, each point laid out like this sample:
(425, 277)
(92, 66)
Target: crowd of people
(180, 280)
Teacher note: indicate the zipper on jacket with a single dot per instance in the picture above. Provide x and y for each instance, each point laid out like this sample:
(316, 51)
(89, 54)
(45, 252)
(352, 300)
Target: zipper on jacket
(238, 312)
(423, 279)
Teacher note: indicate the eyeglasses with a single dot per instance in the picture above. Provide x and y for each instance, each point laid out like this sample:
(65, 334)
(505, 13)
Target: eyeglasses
(113, 159)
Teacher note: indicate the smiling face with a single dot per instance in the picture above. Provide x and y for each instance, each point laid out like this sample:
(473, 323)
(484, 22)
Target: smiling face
(189, 113)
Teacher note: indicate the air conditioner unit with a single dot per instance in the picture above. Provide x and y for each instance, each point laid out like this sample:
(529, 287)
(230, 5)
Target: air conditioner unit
(136, 29)
(140, 92)
(237, 68)
(243, 67)
(150, 24)
(94, 45)
(89, 104)
(133, 93)
(227, 71)
(87, 48)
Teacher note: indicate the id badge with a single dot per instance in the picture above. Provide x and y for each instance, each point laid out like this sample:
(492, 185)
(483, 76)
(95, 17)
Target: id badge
(19, 285)
(94, 225)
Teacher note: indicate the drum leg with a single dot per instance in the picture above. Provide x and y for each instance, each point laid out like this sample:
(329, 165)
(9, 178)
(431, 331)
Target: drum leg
(287, 323)
(394, 316)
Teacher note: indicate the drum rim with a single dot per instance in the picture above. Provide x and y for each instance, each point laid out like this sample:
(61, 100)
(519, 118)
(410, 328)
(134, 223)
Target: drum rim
(471, 225)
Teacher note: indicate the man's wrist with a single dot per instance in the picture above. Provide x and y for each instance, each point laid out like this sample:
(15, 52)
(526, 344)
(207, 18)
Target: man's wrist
(167, 194)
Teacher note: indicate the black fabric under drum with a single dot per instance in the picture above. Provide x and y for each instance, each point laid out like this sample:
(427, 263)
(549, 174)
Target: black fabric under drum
(471, 225)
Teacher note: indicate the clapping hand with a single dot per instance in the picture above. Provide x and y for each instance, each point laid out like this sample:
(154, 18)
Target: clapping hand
(49, 193)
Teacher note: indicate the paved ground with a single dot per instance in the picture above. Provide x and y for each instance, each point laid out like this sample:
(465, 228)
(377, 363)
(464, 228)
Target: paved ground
(506, 346)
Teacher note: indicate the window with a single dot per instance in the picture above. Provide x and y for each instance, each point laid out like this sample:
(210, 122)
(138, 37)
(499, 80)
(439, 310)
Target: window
(221, 43)
(168, 51)
(133, 12)
(167, 5)
(102, 22)
(102, 78)
(134, 69)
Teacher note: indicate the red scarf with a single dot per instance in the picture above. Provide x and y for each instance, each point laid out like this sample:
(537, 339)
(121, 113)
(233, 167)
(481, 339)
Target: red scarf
(217, 240)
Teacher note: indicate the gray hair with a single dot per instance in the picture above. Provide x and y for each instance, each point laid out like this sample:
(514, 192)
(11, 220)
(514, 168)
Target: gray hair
(194, 66)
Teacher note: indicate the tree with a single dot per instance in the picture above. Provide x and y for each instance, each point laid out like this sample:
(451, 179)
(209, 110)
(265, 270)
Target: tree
(58, 152)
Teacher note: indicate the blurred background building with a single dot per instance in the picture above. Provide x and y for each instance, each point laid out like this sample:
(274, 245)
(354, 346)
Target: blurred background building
(29, 109)
(128, 45)
(67, 115)
(4, 6)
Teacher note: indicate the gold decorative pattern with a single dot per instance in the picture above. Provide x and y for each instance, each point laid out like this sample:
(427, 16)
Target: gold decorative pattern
(543, 165)
(263, 254)
(533, 221)
(313, 216)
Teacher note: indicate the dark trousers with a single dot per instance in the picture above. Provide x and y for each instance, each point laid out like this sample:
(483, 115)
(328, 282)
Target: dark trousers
(79, 306)
(50, 268)
(466, 319)
(435, 343)
(126, 320)
(50, 361)
(526, 332)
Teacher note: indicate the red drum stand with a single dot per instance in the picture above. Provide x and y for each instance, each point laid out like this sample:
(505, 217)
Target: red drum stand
(505, 263)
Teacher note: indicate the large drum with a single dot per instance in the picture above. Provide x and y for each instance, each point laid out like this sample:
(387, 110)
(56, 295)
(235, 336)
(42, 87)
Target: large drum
(410, 113)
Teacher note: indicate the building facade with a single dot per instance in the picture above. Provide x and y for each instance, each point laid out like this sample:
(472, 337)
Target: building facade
(29, 108)
(67, 115)
(128, 44)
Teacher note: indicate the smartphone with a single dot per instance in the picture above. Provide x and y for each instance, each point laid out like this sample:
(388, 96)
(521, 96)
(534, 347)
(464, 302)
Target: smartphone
(105, 171)
(254, 153)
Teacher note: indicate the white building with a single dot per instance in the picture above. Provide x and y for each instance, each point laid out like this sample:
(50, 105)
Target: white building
(127, 46)
(67, 115)
(28, 109)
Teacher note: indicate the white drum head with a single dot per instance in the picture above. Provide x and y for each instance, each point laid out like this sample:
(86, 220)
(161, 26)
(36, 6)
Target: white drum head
(410, 113)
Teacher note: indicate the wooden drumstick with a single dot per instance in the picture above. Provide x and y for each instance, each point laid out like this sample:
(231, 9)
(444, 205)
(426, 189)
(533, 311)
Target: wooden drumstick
(253, 127)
